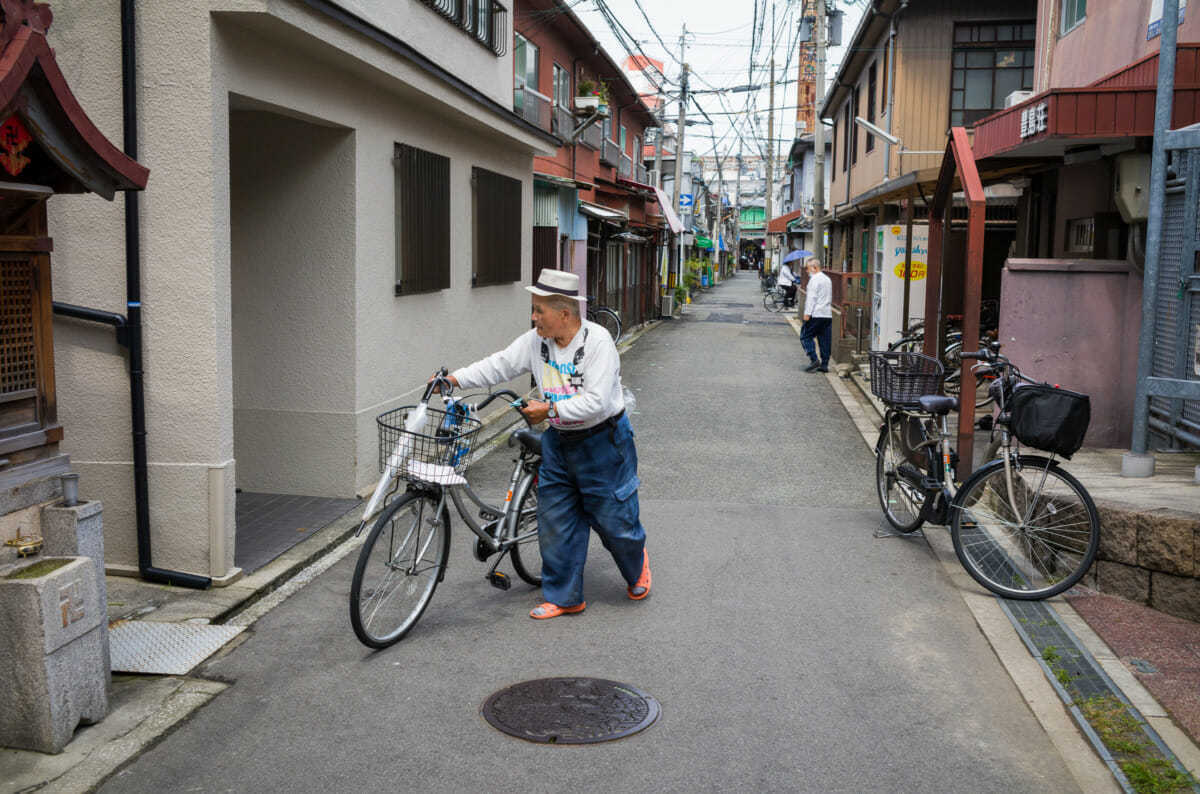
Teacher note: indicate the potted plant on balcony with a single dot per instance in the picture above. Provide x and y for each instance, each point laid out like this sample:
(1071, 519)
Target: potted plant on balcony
(591, 95)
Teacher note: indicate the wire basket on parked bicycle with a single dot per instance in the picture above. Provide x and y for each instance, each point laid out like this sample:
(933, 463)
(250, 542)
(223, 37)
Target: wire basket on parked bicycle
(446, 442)
(901, 379)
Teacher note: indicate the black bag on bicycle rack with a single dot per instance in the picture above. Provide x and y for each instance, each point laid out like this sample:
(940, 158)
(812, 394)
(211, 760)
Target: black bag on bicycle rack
(1049, 419)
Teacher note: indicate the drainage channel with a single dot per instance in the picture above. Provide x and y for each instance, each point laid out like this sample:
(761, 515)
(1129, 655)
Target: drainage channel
(1086, 690)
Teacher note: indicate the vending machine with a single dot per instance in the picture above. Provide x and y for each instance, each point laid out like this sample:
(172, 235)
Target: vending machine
(888, 308)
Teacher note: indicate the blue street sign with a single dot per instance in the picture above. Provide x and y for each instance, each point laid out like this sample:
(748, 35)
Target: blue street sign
(685, 200)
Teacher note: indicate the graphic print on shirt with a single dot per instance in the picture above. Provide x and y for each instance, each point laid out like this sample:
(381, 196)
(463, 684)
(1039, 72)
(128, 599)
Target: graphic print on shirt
(562, 381)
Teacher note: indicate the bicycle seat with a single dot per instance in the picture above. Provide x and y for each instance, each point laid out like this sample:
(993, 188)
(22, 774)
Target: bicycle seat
(937, 405)
(530, 439)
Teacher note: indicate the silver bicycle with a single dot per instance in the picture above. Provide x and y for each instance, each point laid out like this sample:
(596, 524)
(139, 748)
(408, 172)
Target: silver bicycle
(428, 451)
(1022, 526)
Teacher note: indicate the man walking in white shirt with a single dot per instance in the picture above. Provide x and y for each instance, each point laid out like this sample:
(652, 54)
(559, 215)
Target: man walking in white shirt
(818, 317)
(588, 474)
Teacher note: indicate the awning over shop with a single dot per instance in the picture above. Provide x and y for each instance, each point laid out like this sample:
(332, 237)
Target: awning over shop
(779, 224)
(668, 212)
(606, 214)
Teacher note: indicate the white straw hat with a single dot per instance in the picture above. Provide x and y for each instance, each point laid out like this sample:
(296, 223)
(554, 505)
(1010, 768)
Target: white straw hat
(557, 282)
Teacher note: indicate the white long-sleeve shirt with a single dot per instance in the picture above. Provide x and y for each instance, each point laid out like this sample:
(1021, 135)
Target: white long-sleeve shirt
(818, 300)
(584, 389)
(786, 276)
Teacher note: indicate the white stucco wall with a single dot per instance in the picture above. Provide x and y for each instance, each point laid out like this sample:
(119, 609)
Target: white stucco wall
(211, 374)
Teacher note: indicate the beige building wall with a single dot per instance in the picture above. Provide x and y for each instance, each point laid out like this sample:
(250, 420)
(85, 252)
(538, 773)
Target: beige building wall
(272, 334)
(921, 110)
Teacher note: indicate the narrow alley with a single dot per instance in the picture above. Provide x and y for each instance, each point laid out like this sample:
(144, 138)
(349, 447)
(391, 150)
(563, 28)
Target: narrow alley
(788, 647)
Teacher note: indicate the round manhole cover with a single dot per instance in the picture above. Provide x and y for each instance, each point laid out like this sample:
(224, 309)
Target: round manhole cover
(570, 710)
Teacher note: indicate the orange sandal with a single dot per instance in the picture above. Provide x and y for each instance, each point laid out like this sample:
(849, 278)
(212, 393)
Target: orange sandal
(642, 589)
(548, 610)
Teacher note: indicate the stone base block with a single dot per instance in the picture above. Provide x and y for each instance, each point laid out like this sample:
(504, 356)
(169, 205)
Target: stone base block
(1176, 595)
(54, 678)
(1126, 581)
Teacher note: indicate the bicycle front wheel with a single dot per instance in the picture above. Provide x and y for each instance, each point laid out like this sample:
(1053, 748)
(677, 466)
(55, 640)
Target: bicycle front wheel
(909, 344)
(526, 553)
(610, 321)
(1031, 541)
(398, 569)
(902, 502)
(773, 301)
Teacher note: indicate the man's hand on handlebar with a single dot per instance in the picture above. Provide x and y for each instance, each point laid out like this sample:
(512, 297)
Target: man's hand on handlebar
(535, 411)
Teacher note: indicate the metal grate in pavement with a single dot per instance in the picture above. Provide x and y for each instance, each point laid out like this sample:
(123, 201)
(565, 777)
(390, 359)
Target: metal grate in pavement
(142, 646)
(1067, 664)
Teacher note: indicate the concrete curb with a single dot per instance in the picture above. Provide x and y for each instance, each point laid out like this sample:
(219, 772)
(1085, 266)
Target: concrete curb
(1027, 675)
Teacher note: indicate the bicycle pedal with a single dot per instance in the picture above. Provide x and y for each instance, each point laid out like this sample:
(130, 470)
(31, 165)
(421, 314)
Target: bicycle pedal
(499, 580)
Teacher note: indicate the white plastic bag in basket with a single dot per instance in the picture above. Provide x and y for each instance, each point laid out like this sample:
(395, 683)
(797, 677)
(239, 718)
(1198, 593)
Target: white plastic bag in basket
(415, 423)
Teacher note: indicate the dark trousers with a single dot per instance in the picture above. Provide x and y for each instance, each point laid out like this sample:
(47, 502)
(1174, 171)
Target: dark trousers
(789, 296)
(819, 329)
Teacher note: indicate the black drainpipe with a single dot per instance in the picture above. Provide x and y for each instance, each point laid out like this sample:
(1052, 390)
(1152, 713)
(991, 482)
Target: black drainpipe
(129, 331)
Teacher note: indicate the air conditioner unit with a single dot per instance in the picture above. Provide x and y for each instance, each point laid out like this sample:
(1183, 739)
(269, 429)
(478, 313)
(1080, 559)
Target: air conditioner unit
(1016, 98)
(652, 177)
(668, 305)
(1131, 186)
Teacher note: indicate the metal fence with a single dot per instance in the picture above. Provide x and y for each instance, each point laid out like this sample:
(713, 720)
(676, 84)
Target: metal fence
(1176, 360)
(532, 106)
(610, 153)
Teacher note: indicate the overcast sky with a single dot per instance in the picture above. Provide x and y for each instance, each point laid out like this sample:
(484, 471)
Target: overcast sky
(724, 48)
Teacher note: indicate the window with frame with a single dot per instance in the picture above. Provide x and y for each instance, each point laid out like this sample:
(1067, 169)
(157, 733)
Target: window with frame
(854, 131)
(562, 87)
(833, 151)
(887, 53)
(422, 188)
(872, 86)
(497, 228)
(990, 61)
(848, 127)
(525, 70)
(1074, 12)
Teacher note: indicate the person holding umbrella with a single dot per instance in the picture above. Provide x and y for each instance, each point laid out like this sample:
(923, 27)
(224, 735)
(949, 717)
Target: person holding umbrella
(788, 280)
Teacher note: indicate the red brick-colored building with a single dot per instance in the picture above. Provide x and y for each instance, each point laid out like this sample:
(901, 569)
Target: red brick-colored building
(596, 212)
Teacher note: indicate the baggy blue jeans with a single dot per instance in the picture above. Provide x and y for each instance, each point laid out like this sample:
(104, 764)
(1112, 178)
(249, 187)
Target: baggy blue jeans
(820, 329)
(590, 483)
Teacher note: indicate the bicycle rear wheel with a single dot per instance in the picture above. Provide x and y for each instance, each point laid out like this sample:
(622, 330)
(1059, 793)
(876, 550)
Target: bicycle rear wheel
(611, 322)
(909, 344)
(1031, 543)
(773, 300)
(399, 567)
(526, 553)
(902, 502)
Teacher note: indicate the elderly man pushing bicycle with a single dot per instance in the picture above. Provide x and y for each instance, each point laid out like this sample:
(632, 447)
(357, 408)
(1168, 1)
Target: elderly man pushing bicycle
(588, 477)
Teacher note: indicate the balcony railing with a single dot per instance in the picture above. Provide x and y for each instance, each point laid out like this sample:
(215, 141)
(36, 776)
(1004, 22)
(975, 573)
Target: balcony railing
(593, 136)
(626, 166)
(610, 153)
(640, 174)
(532, 106)
(486, 21)
(564, 122)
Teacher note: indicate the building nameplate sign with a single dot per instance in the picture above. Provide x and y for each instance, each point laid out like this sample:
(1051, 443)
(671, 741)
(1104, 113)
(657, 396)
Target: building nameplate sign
(1035, 119)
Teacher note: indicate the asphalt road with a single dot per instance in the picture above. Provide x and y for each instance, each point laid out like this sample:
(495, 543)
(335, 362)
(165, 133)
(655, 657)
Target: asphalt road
(790, 649)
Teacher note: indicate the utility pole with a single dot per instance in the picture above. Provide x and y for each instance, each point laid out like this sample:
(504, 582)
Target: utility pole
(770, 163)
(737, 207)
(683, 87)
(819, 143)
(659, 136)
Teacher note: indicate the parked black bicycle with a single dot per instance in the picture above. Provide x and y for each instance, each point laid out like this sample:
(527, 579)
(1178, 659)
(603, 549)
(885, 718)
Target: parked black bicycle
(1022, 526)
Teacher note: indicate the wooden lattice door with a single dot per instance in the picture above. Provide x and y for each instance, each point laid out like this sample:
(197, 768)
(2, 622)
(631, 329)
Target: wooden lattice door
(29, 427)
